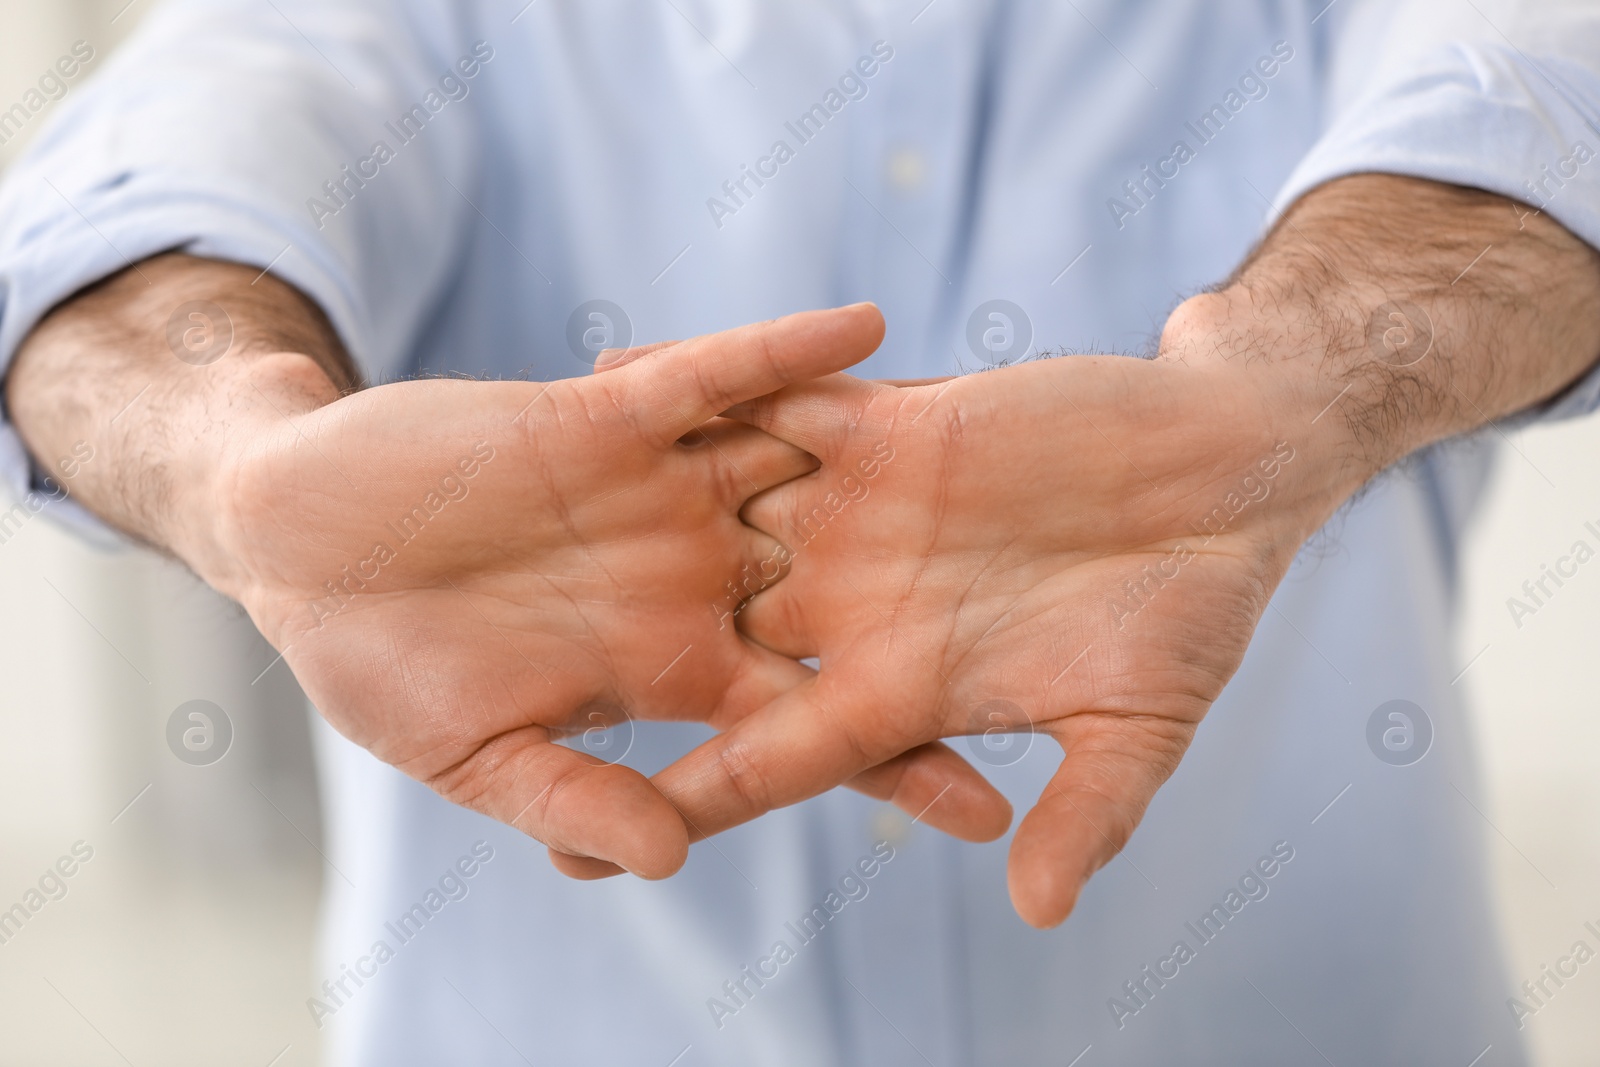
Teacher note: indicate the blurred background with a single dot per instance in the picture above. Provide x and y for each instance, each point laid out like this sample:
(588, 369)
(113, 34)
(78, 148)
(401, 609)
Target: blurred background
(187, 937)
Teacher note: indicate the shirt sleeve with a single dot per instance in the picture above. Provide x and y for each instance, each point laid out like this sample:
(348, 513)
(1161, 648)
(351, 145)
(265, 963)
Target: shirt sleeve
(330, 140)
(1498, 96)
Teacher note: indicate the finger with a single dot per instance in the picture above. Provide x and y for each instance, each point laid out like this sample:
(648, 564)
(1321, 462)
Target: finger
(804, 743)
(684, 386)
(801, 511)
(824, 417)
(774, 617)
(1113, 766)
(583, 868)
(912, 383)
(614, 358)
(744, 461)
(930, 782)
(764, 564)
(571, 801)
(774, 509)
(933, 784)
(759, 679)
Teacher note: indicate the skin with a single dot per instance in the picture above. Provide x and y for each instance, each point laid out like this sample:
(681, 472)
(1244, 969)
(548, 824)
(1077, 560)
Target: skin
(566, 545)
(1004, 553)
(1021, 503)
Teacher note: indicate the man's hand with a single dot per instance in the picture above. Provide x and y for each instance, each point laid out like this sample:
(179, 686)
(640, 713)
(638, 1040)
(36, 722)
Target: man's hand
(459, 573)
(1084, 546)
(989, 554)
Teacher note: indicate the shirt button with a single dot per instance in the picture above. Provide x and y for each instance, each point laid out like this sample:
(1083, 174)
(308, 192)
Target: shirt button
(907, 170)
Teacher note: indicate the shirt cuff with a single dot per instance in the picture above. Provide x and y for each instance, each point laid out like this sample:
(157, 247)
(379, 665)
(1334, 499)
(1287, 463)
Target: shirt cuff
(66, 251)
(1489, 117)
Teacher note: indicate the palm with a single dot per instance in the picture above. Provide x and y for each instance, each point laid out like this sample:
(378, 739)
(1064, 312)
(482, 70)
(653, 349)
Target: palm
(981, 583)
(547, 580)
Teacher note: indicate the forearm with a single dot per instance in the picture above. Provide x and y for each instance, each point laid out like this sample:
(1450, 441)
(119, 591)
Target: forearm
(1392, 313)
(111, 368)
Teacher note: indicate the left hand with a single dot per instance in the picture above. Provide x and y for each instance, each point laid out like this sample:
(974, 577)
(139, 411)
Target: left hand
(1033, 536)
(1094, 540)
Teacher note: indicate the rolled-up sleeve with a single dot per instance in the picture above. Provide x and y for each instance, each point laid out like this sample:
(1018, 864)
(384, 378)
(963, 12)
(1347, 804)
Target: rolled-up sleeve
(330, 140)
(1497, 96)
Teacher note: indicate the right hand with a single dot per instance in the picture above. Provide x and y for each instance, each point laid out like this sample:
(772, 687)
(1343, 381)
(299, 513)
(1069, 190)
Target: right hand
(459, 573)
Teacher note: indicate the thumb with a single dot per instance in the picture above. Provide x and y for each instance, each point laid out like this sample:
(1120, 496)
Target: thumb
(685, 385)
(1114, 764)
(617, 358)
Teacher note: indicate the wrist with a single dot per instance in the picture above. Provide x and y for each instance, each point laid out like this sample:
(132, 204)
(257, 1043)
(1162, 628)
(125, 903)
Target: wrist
(1299, 365)
(1395, 312)
(216, 505)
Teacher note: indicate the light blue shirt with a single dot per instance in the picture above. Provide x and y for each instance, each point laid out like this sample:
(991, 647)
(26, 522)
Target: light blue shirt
(456, 182)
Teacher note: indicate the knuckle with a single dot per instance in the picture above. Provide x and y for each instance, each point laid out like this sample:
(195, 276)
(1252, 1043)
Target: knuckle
(552, 802)
(743, 778)
(1104, 812)
(471, 782)
(708, 389)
